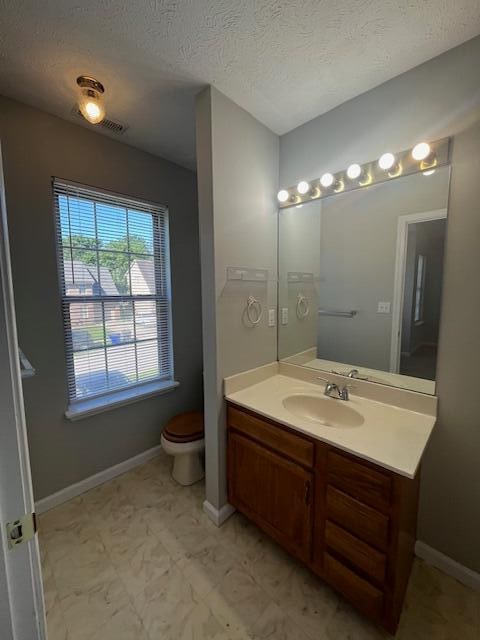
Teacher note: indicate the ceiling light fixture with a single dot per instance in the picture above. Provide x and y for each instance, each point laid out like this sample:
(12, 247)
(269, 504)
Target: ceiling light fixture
(91, 103)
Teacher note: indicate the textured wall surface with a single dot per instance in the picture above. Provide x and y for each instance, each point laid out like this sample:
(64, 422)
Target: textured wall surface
(284, 62)
(439, 98)
(37, 146)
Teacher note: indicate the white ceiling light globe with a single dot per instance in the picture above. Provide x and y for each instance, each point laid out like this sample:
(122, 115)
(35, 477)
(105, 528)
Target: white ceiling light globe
(421, 151)
(327, 180)
(93, 110)
(354, 171)
(303, 187)
(282, 195)
(386, 161)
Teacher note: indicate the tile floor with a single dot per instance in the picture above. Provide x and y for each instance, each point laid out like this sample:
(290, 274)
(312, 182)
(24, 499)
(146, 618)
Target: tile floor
(137, 559)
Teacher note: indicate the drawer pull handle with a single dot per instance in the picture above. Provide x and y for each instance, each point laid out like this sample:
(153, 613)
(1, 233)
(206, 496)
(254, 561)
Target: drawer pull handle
(307, 492)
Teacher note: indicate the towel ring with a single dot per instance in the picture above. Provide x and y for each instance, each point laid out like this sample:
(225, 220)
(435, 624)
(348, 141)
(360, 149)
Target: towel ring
(254, 310)
(303, 308)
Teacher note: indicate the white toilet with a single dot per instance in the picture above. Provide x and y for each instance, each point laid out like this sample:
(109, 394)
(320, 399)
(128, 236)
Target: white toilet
(183, 439)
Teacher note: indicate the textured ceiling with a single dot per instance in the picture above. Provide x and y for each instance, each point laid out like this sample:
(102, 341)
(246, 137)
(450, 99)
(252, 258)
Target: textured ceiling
(283, 61)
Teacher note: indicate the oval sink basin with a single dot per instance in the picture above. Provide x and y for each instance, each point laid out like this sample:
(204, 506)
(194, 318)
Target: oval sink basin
(327, 411)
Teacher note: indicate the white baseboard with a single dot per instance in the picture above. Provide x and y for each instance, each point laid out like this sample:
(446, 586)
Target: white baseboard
(93, 481)
(218, 516)
(448, 565)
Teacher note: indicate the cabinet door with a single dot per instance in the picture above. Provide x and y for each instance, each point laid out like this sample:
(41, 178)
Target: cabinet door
(272, 491)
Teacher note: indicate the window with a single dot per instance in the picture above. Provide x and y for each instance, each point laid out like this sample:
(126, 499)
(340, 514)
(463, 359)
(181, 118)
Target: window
(419, 289)
(113, 256)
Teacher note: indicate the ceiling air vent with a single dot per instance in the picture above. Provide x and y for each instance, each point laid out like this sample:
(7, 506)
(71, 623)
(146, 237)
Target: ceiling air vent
(110, 125)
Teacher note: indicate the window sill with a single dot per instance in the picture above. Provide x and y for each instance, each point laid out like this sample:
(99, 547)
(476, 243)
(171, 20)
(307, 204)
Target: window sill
(92, 406)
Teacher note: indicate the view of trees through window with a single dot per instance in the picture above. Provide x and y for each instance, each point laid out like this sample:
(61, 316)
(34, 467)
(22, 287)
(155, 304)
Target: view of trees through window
(115, 255)
(115, 294)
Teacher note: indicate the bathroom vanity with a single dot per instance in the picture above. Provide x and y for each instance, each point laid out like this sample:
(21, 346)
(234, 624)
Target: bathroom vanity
(350, 519)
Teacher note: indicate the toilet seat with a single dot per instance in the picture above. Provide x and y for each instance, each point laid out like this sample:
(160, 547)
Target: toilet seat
(186, 427)
(183, 439)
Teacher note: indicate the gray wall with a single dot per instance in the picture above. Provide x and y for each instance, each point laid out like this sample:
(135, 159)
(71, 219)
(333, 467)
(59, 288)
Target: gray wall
(237, 160)
(438, 98)
(37, 146)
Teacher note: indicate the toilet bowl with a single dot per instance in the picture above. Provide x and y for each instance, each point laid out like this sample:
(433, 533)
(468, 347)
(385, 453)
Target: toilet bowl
(183, 439)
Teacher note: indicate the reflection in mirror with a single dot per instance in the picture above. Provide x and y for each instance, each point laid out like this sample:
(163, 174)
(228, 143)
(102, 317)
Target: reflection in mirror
(360, 281)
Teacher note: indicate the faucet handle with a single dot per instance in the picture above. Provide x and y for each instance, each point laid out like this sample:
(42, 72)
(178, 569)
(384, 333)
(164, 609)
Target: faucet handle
(345, 374)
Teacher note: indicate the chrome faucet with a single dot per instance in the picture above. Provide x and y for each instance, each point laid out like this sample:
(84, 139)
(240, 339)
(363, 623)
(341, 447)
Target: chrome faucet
(353, 373)
(332, 390)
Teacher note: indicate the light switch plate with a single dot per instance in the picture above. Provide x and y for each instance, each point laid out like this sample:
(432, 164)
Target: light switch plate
(271, 317)
(284, 315)
(383, 307)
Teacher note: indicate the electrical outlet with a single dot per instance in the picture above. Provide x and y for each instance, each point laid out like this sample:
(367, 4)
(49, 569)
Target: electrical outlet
(271, 317)
(284, 315)
(383, 307)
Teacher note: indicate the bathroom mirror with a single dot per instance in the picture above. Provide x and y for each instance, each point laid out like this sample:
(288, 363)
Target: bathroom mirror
(360, 281)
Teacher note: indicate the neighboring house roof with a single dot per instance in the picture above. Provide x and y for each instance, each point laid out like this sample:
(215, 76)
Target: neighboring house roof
(76, 273)
(143, 275)
(79, 274)
(109, 287)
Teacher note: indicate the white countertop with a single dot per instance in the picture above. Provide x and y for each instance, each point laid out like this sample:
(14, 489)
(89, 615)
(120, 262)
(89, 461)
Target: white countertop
(390, 436)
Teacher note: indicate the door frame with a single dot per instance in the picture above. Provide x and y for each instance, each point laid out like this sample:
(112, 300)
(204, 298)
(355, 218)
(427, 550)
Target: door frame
(399, 277)
(22, 608)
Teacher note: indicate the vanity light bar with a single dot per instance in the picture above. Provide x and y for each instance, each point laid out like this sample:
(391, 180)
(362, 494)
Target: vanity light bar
(424, 157)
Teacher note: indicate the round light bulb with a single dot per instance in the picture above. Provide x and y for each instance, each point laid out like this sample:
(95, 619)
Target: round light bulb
(327, 180)
(386, 161)
(421, 151)
(283, 195)
(354, 171)
(303, 187)
(93, 110)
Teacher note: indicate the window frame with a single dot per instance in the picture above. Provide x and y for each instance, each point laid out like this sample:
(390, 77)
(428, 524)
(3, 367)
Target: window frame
(79, 407)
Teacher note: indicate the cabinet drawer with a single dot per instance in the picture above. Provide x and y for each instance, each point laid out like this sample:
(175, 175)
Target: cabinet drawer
(288, 444)
(361, 481)
(358, 553)
(360, 592)
(358, 518)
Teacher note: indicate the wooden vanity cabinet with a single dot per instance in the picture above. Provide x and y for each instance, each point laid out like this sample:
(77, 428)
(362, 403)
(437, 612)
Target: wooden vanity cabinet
(352, 522)
(270, 479)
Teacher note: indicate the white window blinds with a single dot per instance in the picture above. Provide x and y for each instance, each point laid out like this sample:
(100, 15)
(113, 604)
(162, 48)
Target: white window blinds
(113, 259)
